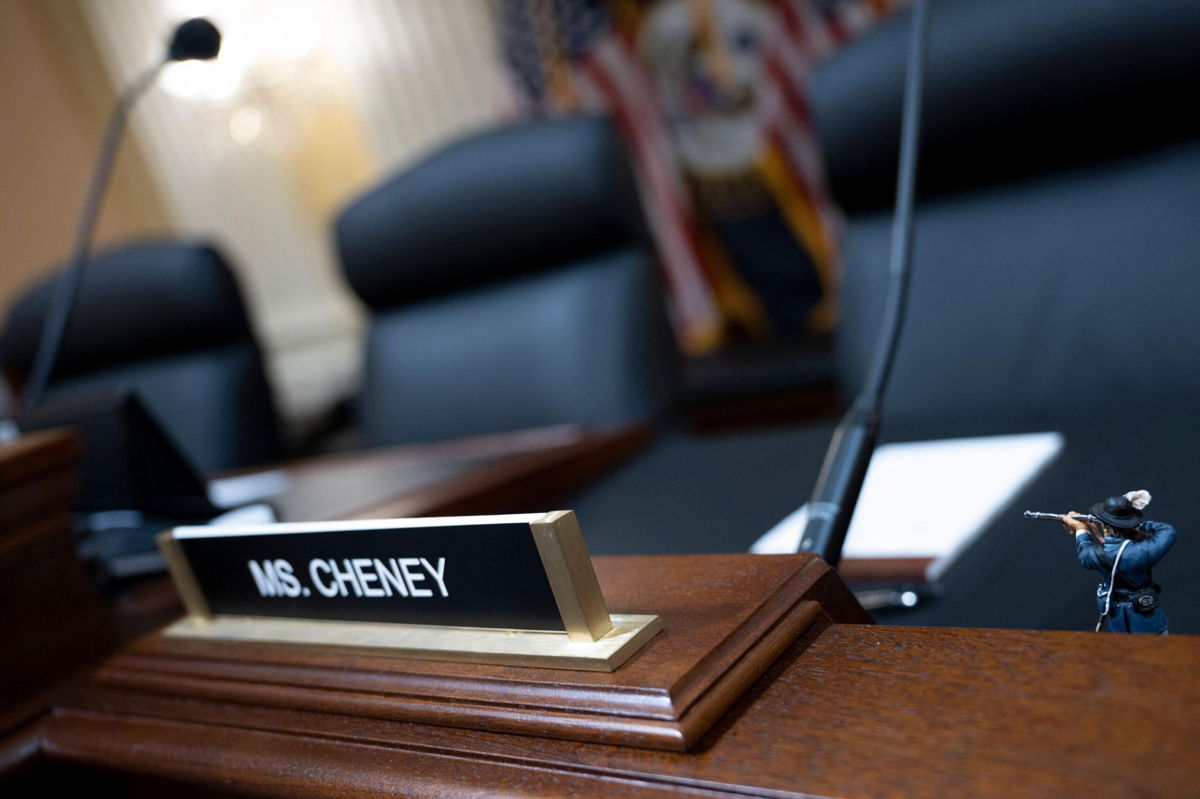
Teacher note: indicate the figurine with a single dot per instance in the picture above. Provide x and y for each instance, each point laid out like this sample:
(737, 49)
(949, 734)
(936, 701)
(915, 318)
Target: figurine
(1123, 548)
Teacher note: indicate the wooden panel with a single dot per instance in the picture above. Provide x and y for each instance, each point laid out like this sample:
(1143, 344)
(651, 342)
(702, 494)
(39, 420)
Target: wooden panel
(37, 453)
(884, 569)
(496, 473)
(52, 620)
(25, 501)
(725, 619)
(334, 486)
(268, 764)
(533, 479)
(848, 711)
(51, 615)
(37, 477)
(22, 747)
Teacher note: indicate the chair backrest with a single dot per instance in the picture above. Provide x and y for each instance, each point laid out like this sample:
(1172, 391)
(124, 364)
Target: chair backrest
(166, 320)
(1056, 232)
(510, 285)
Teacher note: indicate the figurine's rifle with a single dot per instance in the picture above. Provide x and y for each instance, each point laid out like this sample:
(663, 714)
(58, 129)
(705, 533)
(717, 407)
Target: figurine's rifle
(1057, 517)
(1083, 517)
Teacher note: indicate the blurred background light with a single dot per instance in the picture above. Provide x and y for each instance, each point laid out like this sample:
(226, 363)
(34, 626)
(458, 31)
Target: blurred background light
(308, 103)
(246, 124)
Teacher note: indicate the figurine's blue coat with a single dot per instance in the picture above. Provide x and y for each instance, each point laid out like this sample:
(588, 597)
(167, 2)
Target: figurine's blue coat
(1133, 572)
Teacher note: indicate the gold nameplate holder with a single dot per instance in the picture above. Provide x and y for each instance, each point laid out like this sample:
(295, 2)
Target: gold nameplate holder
(515, 589)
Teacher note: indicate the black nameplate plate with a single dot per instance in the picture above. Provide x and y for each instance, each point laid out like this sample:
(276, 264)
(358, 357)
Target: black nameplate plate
(489, 571)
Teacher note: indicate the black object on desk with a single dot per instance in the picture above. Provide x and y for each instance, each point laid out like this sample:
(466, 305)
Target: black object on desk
(128, 461)
(133, 480)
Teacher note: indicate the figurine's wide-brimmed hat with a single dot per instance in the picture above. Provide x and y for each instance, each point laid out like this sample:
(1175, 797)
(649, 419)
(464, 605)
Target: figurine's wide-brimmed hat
(1123, 512)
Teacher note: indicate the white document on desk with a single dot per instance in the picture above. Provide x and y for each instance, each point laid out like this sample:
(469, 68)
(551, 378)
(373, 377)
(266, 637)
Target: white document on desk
(231, 492)
(930, 499)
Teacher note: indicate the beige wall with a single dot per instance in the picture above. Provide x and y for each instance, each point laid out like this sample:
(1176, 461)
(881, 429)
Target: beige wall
(377, 84)
(54, 97)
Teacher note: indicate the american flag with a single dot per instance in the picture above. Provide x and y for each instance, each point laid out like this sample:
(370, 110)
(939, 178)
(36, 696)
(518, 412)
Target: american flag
(570, 56)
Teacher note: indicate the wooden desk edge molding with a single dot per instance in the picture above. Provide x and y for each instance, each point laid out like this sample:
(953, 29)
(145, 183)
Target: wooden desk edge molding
(720, 631)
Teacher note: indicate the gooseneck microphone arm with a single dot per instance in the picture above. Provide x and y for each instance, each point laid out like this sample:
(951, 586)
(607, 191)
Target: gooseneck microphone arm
(66, 288)
(849, 453)
(193, 40)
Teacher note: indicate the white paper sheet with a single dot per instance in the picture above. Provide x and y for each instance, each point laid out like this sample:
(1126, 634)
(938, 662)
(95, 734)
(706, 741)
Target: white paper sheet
(230, 492)
(930, 499)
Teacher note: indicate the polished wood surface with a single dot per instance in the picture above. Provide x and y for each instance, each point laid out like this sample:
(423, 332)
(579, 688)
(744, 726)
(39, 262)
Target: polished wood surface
(498, 473)
(731, 617)
(34, 454)
(844, 710)
(37, 478)
(52, 619)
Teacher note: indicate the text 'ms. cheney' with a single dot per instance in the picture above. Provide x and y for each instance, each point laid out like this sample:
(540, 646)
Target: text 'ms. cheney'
(372, 578)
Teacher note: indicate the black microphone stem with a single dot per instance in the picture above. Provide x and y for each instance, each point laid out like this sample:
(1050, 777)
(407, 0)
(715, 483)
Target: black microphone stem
(849, 453)
(58, 314)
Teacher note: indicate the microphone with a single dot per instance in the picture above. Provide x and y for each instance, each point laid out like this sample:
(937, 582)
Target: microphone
(849, 453)
(195, 39)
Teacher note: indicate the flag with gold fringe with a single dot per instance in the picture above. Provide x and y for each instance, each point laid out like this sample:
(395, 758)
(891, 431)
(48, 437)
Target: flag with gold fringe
(711, 96)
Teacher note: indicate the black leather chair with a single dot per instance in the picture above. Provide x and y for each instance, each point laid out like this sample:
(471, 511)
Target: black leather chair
(510, 286)
(1057, 227)
(165, 320)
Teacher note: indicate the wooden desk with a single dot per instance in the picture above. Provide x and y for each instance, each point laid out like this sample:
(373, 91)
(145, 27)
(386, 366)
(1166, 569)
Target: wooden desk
(498, 473)
(845, 710)
(827, 705)
(51, 616)
(53, 621)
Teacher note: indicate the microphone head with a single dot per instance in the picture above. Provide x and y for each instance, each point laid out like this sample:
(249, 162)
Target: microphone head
(197, 39)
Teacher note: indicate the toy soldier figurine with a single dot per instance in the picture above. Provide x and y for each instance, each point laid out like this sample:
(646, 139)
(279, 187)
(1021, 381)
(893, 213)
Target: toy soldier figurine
(1123, 548)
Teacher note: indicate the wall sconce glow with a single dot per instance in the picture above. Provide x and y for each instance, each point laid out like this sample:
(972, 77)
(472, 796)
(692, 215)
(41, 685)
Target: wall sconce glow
(246, 124)
(195, 80)
(293, 34)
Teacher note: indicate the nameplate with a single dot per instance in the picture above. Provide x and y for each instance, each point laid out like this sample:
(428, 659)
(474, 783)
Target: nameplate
(521, 572)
